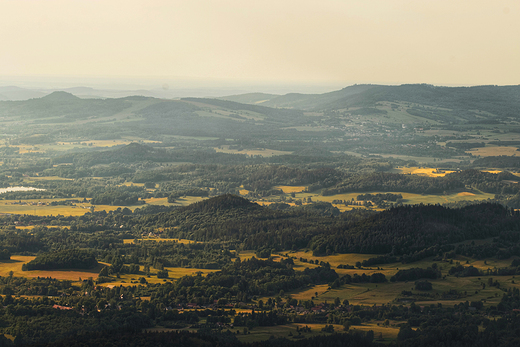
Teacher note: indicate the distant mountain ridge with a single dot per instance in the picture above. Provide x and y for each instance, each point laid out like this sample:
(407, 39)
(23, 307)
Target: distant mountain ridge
(500, 100)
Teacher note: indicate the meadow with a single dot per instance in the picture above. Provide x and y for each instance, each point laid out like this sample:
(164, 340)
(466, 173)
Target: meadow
(42, 207)
(408, 198)
(264, 152)
(494, 151)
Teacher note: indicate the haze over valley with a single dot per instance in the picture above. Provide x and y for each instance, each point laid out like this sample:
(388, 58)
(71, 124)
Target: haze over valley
(259, 173)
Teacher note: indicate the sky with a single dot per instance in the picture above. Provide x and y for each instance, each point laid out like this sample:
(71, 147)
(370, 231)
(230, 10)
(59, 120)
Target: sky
(307, 42)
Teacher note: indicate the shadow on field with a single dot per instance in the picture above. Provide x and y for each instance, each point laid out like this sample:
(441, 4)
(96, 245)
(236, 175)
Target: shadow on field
(10, 261)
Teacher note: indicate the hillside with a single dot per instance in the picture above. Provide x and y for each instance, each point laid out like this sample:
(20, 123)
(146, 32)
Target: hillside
(502, 101)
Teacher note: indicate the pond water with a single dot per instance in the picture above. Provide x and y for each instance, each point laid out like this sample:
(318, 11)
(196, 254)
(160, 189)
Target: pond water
(17, 189)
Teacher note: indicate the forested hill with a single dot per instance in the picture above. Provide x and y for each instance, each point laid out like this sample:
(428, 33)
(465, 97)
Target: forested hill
(401, 230)
(221, 203)
(502, 101)
(232, 218)
(62, 105)
(408, 229)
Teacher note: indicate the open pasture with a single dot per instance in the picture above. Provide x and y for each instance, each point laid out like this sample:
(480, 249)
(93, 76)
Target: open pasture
(70, 145)
(283, 331)
(493, 151)
(291, 189)
(408, 198)
(16, 262)
(173, 274)
(422, 171)
(42, 207)
(264, 152)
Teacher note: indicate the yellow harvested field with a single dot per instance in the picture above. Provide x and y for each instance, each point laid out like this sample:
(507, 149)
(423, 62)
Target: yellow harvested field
(465, 194)
(422, 171)
(291, 189)
(42, 207)
(129, 184)
(16, 262)
(333, 260)
(495, 151)
(173, 273)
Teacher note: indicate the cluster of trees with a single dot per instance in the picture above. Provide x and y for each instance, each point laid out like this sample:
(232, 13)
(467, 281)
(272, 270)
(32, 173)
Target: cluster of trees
(379, 197)
(116, 197)
(65, 259)
(414, 274)
(5, 254)
(406, 229)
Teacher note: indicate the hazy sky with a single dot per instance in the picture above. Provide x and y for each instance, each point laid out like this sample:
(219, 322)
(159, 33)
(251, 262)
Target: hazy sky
(443, 42)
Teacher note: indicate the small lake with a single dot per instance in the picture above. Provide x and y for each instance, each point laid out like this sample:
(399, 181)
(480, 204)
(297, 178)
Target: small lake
(17, 189)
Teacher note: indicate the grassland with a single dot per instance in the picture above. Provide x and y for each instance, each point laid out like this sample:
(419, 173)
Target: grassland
(421, 171)
(16, 262)
(264, 152)
(384, 293)
(408, 198)
(291, 189)
(470, 288)
(42, 207)
(70, 145)
(494, 151)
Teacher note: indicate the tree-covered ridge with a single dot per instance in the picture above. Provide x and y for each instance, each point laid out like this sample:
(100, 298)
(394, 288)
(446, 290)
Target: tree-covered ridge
(64, 106)
(400, 230)
(502, 101)
(407, 229)
(232, 218)
(497, 183)
(391, 182)
(66, 259)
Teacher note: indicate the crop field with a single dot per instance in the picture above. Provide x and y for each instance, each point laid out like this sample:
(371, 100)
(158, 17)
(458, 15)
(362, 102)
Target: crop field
(422, 171)
(291, 189)
(42, 207)
(495, 151)
(173, 274)
(16, 262)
